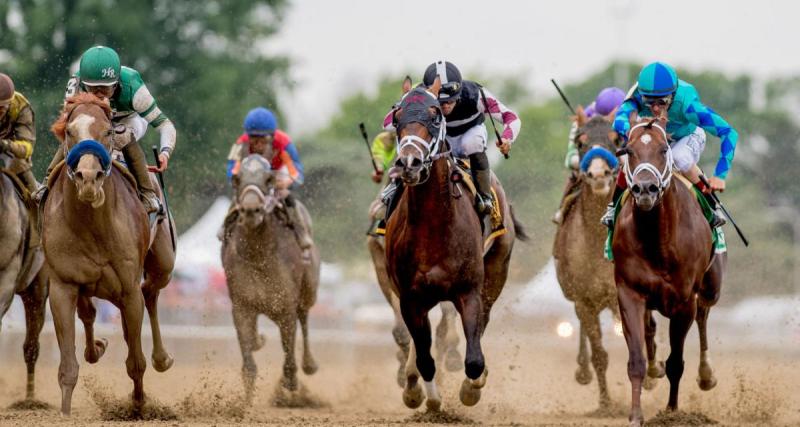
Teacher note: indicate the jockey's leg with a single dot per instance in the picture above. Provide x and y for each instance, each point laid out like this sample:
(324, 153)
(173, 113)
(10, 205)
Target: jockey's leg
(27, 179)
(137, 164)
(390, 197)
(686, 153)
(42, 190)
(622, 185)
(25, 175)
(299, 226)
(472, 144)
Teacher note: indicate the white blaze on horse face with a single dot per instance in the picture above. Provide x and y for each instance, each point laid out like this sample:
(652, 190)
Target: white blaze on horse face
(80, 127)
(646, 138)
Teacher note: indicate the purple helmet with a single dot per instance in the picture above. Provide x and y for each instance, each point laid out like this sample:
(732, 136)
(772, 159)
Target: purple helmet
(608, 99)
(590, 110)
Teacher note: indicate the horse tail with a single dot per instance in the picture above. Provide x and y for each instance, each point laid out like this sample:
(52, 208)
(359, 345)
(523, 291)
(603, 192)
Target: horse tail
(519, 229)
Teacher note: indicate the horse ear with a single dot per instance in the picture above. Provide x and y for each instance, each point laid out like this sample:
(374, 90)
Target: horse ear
(406, 84)
(435, 87)
(580, 116)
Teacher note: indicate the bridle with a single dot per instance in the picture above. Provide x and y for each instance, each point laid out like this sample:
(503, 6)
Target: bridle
(664, 177)
(86, 146)
(429, 151)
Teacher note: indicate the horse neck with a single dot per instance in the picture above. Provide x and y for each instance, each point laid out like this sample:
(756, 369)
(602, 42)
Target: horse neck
(253, 245)
(657, 228)
(431, 202)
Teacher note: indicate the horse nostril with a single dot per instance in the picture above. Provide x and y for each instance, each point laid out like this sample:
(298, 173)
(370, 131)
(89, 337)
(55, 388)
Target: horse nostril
(636, 189)
(590, 174)
(79, 175)
(608, 172)
(416, 163)
(98, 175)
(652, 188)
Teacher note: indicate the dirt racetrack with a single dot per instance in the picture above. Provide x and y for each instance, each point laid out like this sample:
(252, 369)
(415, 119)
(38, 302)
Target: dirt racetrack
(530, 383)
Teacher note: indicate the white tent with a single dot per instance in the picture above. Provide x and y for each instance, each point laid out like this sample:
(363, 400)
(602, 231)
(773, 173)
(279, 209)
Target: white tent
(198, 247)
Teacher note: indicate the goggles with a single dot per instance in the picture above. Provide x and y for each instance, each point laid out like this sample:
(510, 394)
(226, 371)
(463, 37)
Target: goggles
(661, 101)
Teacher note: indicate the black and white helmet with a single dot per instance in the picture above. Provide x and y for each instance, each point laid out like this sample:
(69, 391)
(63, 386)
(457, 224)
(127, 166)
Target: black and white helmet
(449, 76)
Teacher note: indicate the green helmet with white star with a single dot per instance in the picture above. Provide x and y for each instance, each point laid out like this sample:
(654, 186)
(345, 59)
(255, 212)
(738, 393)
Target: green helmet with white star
(99, 66)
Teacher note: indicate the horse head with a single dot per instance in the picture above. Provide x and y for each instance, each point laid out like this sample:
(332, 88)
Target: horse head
(84, 129)
(597, 142)
(648, 161)
(420, 131)
(255, 191)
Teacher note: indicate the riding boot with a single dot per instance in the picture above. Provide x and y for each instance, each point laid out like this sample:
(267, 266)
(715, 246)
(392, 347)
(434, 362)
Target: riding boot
(137, 164)
(482, 176)
(717, 219)
(29, 181)
(572, 185)
(299, 226)
(390, 196)
(39, 194)
(608, 217)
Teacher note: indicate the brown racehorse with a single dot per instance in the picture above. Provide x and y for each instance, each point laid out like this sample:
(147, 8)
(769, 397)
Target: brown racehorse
(435, 251)
(21, 272)
(664, 260)
(585, 276)
(98, 244)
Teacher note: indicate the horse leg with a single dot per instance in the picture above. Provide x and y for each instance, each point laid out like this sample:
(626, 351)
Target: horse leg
(632, 309)
(8, 284)
(655, 369)
(309, 364)
(63, 303)
(158, 268)
(708, 296)
(679, 325)
(288, 329)
(590, 321)
(447, 338)
(244, 319)
(87, 313)
(419, 326)
(471, 310)
(34, 299)
(132, 309)
(583, 375)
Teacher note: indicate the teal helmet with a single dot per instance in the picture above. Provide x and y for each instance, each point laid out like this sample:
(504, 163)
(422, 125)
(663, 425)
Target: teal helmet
(657, 80)
(99, 66)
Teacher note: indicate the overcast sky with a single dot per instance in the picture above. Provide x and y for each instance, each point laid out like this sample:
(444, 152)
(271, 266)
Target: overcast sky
(340, 47)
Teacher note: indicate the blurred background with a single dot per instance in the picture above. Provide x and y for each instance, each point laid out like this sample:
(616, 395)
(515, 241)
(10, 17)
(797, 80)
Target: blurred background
(326, 66)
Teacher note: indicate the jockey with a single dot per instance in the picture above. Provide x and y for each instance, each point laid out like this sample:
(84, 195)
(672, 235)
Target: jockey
(464, 105)
(659, 92)
(17, 132)
(605, 104)
(101, 74)
(383, 152)
(261, 136)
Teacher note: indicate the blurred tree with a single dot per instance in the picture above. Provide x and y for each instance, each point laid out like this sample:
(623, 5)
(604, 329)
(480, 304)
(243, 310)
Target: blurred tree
(203, 61)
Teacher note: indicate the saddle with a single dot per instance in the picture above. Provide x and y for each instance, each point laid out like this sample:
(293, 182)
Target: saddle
(492, 225)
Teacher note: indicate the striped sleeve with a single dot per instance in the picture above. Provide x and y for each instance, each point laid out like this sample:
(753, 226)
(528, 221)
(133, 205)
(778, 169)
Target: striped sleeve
(714, 124)
(501, 113)
(295, 156)
(622, 122)
(286, 161)
(388, 120)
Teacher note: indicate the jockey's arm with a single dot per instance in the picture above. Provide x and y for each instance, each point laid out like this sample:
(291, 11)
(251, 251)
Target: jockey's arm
(501, 113)
(291, 173)
(388, 120)
(298, 165)
(383, 153)
(145, 105)
(571, 161)
(708, 119)
(24, 136)
(622, 119)
(234, 158)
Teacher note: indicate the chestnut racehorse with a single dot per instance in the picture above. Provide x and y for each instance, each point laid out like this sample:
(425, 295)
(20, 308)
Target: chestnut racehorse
(435, 250)
(97, 243)
(664, 260)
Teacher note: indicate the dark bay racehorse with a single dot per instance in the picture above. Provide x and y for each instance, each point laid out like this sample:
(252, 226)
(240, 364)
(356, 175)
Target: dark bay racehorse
(98, 244)
(664, 260)
(435, 251)
(585, 276)
(266, 273)
(21, 272)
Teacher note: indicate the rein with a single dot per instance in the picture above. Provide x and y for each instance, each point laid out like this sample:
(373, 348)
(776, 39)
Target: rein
(664, 177)
(264, 198)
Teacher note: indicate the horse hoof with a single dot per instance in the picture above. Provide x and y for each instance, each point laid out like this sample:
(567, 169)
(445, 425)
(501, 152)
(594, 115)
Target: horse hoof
(649, 383)
(413, 397)
(453, 362)
(468, 394)
(707, 383)
(433, 404)
(583, 376)
(656, 370)
(310, 367)
(99, 350)
(162, 365)
(261, 340)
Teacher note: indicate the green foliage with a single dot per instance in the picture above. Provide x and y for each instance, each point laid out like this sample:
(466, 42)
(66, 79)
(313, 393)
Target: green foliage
(198, 60)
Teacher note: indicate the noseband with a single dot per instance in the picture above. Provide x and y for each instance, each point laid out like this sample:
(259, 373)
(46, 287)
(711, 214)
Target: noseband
(664, 177)
(264, 198)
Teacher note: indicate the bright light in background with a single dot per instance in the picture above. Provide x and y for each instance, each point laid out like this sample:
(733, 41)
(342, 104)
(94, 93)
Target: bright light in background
(565, 329)
(618, 327)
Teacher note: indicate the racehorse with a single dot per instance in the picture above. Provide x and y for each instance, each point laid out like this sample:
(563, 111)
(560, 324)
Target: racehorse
(435, 248)
(664, 260)
(21, 272)
(585, 276)
(98, 243)
(266, 273)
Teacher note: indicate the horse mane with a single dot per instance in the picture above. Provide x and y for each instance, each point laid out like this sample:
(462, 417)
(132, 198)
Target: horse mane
(59, 127)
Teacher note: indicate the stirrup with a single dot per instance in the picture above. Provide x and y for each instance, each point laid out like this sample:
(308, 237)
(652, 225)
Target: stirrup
(717, 220)
(608, 217)
(483, 205)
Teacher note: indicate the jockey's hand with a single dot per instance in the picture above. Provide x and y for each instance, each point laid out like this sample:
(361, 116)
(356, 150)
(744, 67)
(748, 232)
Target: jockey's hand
(377, 176)
(284, 182)
(164, 160)
(717, 184)
(504, 145)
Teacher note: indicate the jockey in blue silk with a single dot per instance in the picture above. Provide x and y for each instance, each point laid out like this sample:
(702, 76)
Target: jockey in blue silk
(659, 92)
